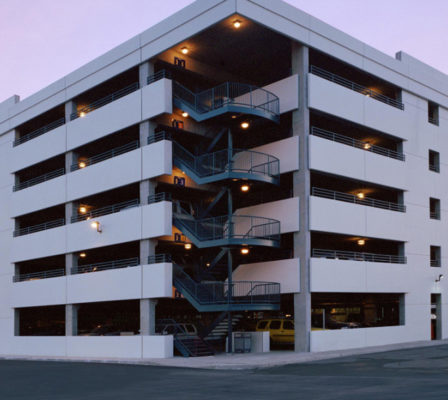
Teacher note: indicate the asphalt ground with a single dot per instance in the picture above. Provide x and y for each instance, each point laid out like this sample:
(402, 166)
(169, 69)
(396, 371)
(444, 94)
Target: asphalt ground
(419, 373)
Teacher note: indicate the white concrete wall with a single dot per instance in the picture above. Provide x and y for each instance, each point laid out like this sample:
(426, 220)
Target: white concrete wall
(286, 150)
(285, 272)
(287, 90)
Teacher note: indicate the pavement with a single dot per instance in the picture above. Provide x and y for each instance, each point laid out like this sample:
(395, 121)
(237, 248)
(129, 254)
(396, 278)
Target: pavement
(413, 373)
(238, 361)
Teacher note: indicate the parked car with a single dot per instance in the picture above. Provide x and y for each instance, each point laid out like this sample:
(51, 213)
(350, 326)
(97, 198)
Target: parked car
(281, 331)
(169, 329)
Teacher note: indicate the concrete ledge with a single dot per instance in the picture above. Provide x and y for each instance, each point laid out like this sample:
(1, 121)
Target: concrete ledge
(238, 361)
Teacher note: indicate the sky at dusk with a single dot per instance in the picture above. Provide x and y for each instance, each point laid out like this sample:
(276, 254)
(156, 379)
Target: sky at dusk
(44, 40)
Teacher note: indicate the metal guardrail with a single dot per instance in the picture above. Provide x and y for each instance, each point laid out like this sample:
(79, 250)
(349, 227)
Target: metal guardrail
(158, 136)
(359, 144)
(53, 273)
(103, 266)
(228, 227)
(233, 93)
(159, 258)
(351, 198)
(435, 263)
(434, 215)
(40, 227)
(355, 87)
(355, 256)
(158, 197)
(434, 121)
(40, 179)
(105, 100)
(157, 76)
(229, 160)
(106, 155)
(114, 208)
(216, 292)
(434, 168)
(40, 131)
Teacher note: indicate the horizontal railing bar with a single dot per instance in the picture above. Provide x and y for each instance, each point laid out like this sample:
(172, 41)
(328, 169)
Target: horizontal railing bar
(355, 87)
(159, 258)
(434, 168)
(434, 121)
(106, 210)
(158, 75)
(336, 137)
(40, 131)
(40, 227)
(434, 215)
(40, 179)
(106, 155)
(106, 100)
(39, 275)
(358, 256)
(103, 266)
(158, 197)
(351, 198)
(158, 136)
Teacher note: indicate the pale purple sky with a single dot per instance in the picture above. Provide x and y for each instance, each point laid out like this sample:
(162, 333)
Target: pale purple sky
(44, 40)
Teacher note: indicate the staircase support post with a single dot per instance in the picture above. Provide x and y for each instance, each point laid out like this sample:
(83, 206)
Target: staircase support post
(229, 300)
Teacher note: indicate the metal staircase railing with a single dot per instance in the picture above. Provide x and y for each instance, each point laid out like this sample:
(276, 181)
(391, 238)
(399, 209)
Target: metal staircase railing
(230, 95)
(220, 296)
(189, 345)
(232, 163)
(231, 228)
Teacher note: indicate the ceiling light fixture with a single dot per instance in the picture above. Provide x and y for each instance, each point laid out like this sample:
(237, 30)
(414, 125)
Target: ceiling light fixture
(184, 50)
(82, 164)
(187, 246)
(184, 114)
(244, 125)
(82, 114)
(82, 210)
(237, 24)
(245, 188)
(82, 255)
(367, 146)
(360, 195)
(244, 251)
(361, 242)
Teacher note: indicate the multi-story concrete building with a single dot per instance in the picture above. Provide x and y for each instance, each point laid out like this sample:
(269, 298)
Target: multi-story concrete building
(238, 144)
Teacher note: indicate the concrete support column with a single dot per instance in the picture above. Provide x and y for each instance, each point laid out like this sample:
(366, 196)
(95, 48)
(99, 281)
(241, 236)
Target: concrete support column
(71, 319)
(148, 316)
(146, 69)
(70, 108)
(71, 261)
(301, 189)
(16, 322)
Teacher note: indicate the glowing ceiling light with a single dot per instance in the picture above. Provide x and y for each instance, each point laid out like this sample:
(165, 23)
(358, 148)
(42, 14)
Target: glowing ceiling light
(96, 225)
(82, 114)
(82, 255)
(245, 125)
(360, 195)
(82, 164)
(184, 50)
(82, 210)
(187, 246)
(236, 24)
(184, 114)
(367, 146)
(361, 242)
(245, 188)
(244, 251)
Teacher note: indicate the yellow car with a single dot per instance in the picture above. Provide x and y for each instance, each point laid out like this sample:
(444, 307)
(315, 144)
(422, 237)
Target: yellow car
(280, 330)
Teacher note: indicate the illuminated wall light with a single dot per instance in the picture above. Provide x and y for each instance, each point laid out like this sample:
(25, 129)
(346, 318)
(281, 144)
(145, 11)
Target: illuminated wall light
(185, 114)
(82, 255)
(82, 164)
(208, 264)
(233, 116)
(361, 242)
(187, 246)
(245, 125)
(245, 188)
(360, 195)
(82, 210)
(184, 50)
(237, 24)
(244, 251)
(96, 225)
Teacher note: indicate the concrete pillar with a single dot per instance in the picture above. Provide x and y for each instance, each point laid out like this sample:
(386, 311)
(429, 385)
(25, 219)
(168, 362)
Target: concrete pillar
(71, 261)
(71, 319)
(301, 189)
(70, 107)
(146, 69)
(402, 310)
(147, 248)
(16, 322)
(70, 158)
(148, 316)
